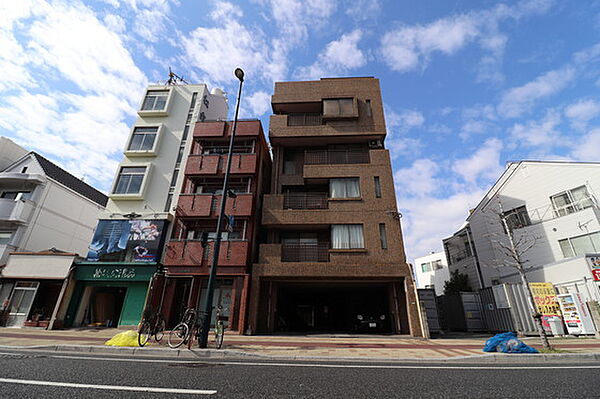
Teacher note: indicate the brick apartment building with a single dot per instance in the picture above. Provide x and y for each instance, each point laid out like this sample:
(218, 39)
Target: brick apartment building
(334, 256)
(187, 258)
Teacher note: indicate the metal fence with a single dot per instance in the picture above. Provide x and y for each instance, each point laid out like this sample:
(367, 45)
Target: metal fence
(332, 157)
(305, 252)
(305, 201)
(308, 119)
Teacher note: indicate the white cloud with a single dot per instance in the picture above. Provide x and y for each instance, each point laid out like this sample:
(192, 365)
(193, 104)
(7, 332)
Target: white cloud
(82, 125)
(115, 23)
(405, 119)
(484, 163)
(542, 133)
(588, 148)
(259, 104)
(225, 10)
(362, 10)
(521, 99)
(337, 58)
(418, 180)
(581, 112)
(412, 46)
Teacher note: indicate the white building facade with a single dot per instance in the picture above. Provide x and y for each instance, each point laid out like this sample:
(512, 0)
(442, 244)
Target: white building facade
(551, 207)
(431, 271)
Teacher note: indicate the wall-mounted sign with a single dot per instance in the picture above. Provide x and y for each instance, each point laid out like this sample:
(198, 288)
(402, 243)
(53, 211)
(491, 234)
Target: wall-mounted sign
(594, 264)
(110, 273)
(127, 241)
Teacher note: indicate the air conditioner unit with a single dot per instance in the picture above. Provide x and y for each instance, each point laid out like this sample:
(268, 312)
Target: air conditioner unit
(374, 144)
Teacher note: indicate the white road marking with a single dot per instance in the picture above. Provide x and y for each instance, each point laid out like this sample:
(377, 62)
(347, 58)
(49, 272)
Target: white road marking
(109, 387)
(322, 365)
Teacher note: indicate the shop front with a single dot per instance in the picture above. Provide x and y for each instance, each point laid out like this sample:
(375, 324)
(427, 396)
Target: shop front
(108, 294)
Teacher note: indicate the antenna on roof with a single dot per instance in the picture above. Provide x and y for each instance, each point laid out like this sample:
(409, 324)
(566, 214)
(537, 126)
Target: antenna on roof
(174, 78)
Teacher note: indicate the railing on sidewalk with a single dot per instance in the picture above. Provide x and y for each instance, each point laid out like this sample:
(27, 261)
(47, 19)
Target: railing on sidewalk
(332, 157)
(318, 252)
(305, 201)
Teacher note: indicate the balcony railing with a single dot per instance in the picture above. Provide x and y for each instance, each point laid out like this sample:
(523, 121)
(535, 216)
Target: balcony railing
(550, 212)
(332, 157)
(221, 150)
(305, 119)
(305, 252)
(460, 255)
(305, 201)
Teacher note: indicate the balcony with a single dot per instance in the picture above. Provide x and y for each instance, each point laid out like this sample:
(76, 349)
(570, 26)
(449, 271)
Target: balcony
(16, 211)
(223, 129)
(549, 212)
(335, 157)
(215, 164)
(308, 119)
(318, 252)
(305, 201)
(191, 253)
(207, 205)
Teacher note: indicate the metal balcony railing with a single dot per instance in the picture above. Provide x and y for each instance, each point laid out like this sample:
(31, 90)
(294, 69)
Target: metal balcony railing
(305, 201)
(460, 255)
(305, 252)
(550, 212)
(332, 157)
(308, 119)
(221, 150)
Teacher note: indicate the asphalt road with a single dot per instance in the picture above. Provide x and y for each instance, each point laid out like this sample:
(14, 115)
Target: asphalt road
(26, 374)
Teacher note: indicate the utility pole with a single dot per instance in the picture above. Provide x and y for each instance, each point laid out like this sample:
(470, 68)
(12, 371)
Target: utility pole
(210, 289)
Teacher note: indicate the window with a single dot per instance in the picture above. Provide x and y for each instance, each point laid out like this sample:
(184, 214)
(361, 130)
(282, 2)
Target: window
(571, 201)
(382, 236)
(155, 100)
(344, 188)
(24, 169)
(143, 139)
(5, 237)
(347, 236)
(130, 180)
(425, 267)
(580, 245)
(338, 107)
(16, 195)
(368, 104)
(517, 218)
(377, 187)
(436, 265)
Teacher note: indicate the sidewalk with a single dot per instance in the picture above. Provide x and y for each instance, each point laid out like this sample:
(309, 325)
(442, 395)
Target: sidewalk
(297, 346)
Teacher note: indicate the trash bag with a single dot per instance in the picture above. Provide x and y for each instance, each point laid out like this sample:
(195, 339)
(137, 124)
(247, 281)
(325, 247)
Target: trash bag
(125, 338)
(507, 343)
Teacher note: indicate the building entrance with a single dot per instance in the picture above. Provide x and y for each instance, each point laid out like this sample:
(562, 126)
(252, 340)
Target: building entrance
(340, 307)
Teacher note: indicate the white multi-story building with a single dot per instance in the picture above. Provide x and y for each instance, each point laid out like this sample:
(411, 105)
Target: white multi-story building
(43, 206)
(431, 271)
(551, 207)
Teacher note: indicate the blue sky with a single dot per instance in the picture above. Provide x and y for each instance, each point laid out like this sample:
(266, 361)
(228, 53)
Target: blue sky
(467, 85)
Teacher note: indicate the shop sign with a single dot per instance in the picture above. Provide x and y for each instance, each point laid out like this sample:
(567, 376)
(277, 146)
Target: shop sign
(594, 264)
(576, 315)
(110, 273)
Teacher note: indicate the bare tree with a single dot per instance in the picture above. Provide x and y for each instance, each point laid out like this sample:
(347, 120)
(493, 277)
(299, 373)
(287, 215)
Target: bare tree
(514, 256)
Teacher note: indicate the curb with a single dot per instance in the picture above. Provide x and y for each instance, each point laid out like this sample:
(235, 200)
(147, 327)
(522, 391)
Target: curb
(236, 355)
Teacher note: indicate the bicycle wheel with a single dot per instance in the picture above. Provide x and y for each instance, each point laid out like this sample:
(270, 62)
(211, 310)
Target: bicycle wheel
(159, 332)
(219, 333)
(145, 333)
(178, 335)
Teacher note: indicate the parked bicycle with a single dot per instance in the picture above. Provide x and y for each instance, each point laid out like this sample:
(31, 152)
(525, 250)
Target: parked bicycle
(190, 329)
(153, 324)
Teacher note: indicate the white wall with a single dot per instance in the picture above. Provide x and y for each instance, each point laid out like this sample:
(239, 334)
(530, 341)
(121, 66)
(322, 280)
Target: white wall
(163, 164)
(532, 184)
(9, 152)
(434, 278)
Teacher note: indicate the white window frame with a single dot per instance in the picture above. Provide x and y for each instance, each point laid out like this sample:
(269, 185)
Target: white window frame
(10, 239)
(345, 180)
(144, 153)
(157, 112)
(573, 252)
(131, 196)
(575, 205)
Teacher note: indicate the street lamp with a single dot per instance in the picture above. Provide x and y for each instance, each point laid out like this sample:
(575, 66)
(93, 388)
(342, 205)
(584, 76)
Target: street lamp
(210, 289)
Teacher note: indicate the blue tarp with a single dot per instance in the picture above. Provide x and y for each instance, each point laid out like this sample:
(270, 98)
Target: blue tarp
(507, 343)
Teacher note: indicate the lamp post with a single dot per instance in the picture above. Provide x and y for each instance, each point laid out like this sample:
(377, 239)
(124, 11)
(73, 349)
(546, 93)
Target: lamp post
(210, 289)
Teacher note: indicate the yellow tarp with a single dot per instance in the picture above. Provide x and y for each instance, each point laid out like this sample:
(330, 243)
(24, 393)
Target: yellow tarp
(125, 338)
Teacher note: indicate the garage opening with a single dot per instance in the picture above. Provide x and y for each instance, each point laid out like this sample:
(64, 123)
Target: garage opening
(344, 308)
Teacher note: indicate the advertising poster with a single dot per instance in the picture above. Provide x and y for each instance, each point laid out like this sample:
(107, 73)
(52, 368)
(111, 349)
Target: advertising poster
(546, 302)
(576, 315)
(127, 241)
(594, 264)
